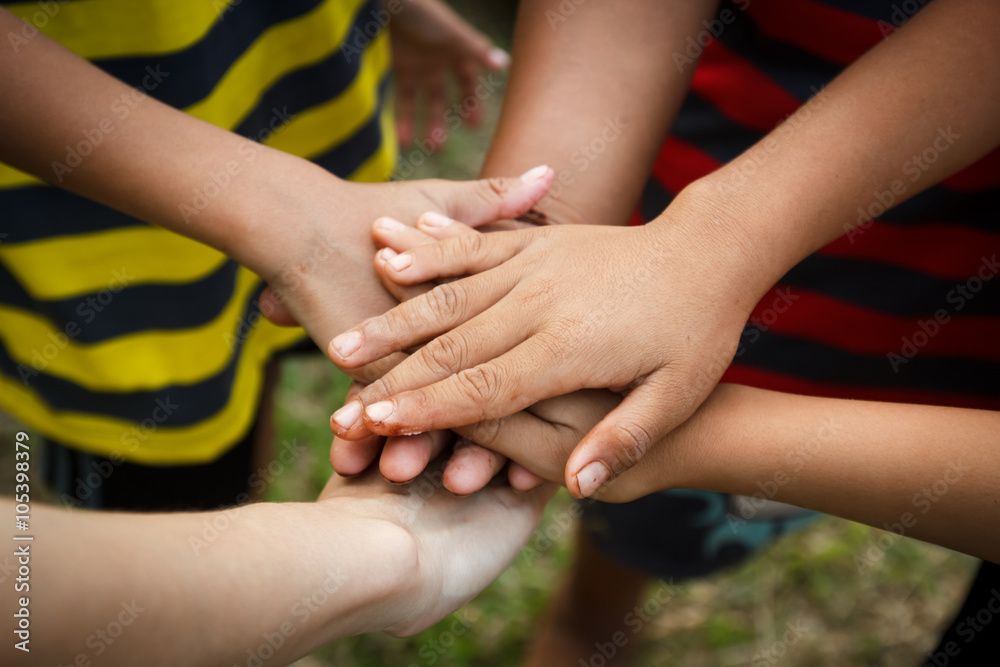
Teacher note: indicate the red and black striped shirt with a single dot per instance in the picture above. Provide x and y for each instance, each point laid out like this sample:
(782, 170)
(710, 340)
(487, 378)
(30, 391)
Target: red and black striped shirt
(905, 308)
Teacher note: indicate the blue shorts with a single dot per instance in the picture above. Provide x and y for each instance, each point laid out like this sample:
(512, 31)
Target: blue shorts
(684, 533)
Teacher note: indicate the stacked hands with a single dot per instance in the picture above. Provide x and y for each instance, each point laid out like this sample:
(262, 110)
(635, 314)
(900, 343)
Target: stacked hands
(576, 354)
(519, 359)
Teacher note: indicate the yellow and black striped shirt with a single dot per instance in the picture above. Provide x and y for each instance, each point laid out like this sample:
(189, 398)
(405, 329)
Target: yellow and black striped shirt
(123, 339)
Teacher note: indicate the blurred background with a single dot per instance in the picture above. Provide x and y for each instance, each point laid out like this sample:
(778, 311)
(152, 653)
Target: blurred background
(847, 609)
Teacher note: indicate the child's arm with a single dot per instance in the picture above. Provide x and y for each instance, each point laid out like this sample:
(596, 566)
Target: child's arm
(277, 214)
(658, 311)
(931, 472)
(262, 583)
(593, 89)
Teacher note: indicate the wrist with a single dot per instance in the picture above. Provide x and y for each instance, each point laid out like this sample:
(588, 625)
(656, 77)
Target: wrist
(383, 584)
(267, 217)
(723, 229)
(704, 452)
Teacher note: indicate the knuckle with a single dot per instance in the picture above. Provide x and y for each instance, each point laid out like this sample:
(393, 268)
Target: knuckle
(389, 323)
(445, 299)
(381, 388)
(493, 189)
(445, 354)
(480, 384)
(631, 444)
(473, 245)
(553, 344)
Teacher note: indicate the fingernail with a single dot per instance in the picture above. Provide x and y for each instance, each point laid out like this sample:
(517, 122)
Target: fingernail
(389, 224)
(498, 58)
(535, 173)
(432, 219)
(348, 415)
(400, 262)
(385, 254)
(592, 477)
(377, 412)
(347, 344)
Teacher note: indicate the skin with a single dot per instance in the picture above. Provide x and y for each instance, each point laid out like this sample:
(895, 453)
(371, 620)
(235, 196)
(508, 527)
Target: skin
(198, 589)
(317, 260)
(565, 91)
(401, 552)
(429, 42)
(926, 470)
(544, 296)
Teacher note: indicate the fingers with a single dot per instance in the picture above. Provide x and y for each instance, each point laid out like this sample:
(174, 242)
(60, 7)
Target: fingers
(522, 479)
(471, 467)
(391, 233)
(346, 422)
(440, 227)
(406, 104)
(462, 256)
(403, 458)
(623, 437)
(368, 373)
(467, 73)
(497, 388)
(480, 48)
(418, 320)
(400, 292)
(426, 369)
(352, 458)
(437, 100)
(394, 239)
(486, 200)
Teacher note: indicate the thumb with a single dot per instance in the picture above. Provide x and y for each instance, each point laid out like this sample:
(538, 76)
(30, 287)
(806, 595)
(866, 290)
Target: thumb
(622, 438)
(490, 199)
(274, 309)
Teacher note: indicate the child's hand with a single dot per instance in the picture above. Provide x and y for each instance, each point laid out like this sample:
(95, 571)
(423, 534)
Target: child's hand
(653, 312)
(402, 458)
(429, 43)
(455, 545)
(316, 255)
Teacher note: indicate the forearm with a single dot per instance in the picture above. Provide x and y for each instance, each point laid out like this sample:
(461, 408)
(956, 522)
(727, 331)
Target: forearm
(592, 94)
(138, 155)
(204, 589)
(930, 89)
(930, 472)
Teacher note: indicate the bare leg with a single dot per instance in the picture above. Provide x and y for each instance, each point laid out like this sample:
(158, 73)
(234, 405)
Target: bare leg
(586, 612)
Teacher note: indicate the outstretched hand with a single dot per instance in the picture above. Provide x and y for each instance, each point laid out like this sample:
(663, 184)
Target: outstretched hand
(653, 313)
(454, 543)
